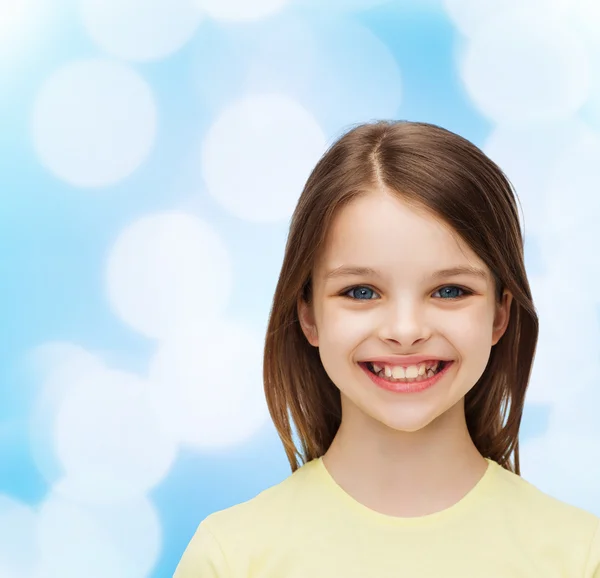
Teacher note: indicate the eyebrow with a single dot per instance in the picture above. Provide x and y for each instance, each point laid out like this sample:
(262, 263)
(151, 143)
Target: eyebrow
(356, 271)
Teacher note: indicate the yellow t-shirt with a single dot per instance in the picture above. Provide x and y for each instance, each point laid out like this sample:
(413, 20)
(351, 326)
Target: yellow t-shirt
(309, 527)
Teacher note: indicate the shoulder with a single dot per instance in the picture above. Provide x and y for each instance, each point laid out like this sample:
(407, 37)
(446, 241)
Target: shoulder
(555, 524)
(226, 542)
(269, 509)
(203, 556)
(532, 500)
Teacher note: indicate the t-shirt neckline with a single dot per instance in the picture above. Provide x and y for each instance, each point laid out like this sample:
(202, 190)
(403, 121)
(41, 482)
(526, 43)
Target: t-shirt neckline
(466, 503)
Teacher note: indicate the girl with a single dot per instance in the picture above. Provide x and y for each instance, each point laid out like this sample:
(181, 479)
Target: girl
(399, 346)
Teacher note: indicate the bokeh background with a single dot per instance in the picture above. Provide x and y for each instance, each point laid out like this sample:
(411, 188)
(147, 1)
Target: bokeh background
(151, 153)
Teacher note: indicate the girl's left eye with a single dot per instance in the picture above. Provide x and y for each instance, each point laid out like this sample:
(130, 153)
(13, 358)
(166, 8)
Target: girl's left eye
(449, 291)
(360, 292)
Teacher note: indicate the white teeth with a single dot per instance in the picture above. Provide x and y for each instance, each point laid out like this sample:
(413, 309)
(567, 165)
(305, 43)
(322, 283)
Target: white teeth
(398, 373)
(412, 372)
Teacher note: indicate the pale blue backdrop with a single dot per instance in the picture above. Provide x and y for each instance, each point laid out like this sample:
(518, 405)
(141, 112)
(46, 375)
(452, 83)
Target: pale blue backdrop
(151, 152)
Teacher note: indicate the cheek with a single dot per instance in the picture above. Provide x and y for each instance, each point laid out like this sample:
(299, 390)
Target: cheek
(471, 335)
(341, 328)
(470, 330)
(464, 328)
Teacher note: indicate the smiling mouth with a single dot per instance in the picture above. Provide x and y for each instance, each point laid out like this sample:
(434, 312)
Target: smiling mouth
(429, 373)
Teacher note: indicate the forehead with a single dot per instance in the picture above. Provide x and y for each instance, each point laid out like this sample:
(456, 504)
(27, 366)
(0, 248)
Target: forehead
(379, 229)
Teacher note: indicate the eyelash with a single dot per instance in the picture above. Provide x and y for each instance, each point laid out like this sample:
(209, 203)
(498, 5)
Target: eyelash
(466, 292)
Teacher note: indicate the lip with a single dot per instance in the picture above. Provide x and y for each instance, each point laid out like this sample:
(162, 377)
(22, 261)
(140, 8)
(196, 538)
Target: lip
(399, 387)
(406, 360)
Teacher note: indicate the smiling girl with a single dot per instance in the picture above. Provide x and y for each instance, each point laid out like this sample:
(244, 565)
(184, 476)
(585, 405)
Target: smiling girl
(398, 353)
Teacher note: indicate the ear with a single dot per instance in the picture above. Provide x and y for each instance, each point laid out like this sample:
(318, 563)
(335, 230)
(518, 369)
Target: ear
(502, 316)
(306, 316)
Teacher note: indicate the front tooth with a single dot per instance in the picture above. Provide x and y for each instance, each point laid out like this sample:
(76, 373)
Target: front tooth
(398, 372)
(422, 369)
(412, 371)
(388, 371)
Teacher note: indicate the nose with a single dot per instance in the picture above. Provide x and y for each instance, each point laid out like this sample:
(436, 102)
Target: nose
(404, 323)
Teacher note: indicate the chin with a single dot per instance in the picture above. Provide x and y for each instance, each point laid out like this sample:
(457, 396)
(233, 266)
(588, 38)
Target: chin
(408, 422)
(406, 426)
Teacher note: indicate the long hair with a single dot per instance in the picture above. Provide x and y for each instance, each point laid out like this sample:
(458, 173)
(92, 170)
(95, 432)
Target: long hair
(449, 176)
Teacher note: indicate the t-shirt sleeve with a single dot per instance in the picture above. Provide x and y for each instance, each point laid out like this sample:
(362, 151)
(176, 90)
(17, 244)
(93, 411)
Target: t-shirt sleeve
(203, 557)
(593, 564)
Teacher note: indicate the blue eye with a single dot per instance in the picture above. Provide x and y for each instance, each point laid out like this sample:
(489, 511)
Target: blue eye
(360, 292)
(364, 293)
(449, 291)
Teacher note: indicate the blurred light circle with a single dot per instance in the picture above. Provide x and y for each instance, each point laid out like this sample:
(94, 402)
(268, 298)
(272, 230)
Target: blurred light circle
(258, 154)
(571, 232)
(585, 16)
(58, 367)
(345, 5)
(14, 15)
(356, 76)
(573, 200)
(542, 74)
(336, 68)
(527, 154)
(61, 361)
(578, 366)
(77, 539)
(232, 10)
(207, 384)
(168, 269)
(94, 122)
(140, 29)
(109, 439)
(471, 15)
(18, 541)
(564, 463)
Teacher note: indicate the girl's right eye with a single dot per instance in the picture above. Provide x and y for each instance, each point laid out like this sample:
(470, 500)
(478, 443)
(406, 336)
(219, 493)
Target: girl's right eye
(360, 293)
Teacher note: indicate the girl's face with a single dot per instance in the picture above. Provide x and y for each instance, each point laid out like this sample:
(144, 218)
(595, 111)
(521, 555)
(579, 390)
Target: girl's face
(379, 290)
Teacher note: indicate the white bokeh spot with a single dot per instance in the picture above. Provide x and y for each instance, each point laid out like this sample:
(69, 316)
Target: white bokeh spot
(140, 30)
(527, 153)
(573, 200)
(94, 122)
(234, 10)
(60, 361)
(542, 74)
(336, 68)
(258, 154)
(347, 5)
(76, 539)
(14, 16)
(565, 463)
(584, 15)
(471, 15)
(58, 367)
(208, 385)
(568, 338)
(167, 270)
(18, 546)
(109, 439)
(356, 77)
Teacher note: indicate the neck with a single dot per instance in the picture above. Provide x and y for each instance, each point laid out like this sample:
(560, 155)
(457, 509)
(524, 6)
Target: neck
(405, 473)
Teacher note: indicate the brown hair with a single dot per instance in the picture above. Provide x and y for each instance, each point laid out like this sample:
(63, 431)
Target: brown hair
(450, 177)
